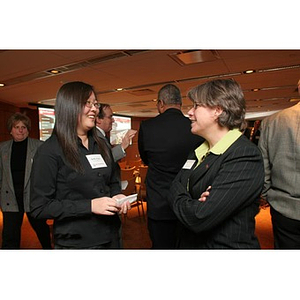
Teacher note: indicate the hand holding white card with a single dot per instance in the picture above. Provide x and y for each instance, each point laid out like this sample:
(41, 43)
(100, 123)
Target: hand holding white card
(132, 198)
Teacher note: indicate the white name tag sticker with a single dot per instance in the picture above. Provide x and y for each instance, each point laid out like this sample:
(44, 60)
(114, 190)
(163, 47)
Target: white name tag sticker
(188, 164)
(96, 161)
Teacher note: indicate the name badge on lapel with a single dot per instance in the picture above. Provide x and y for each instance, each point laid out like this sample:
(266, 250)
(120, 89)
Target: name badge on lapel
(96, 161)
(188, 164)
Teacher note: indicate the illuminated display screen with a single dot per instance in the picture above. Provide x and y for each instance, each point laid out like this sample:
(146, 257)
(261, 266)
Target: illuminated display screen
(46, 122)
(119, 128)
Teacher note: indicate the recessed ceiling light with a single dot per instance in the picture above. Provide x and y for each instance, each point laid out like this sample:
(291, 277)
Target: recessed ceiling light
(249, 71)
(120, 89)
(294, 99)
(255, 90)
(2, 84)
(54, 71)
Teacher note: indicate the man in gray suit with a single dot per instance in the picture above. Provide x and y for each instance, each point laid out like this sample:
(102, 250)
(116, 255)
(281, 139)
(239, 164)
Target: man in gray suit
(280, 146)
(104, 123)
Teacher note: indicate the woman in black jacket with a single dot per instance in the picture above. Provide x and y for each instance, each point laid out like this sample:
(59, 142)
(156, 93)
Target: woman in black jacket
(74, 178)
(216, 194)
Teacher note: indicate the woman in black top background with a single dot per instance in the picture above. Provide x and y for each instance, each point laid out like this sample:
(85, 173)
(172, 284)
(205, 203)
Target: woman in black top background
(15, 167)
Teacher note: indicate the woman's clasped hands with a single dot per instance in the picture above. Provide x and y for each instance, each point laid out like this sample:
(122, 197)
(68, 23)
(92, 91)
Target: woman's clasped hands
(109, 206)
(204, 195)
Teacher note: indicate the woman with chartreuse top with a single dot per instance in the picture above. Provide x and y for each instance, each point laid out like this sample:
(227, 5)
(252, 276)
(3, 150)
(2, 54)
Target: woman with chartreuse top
(216, 194)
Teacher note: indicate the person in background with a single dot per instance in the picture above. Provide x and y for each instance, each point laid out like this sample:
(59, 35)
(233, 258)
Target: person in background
(280, 147)
(104, 123)
(164, 143)
(216, 194)
(255, 133)
(74, 177)
(16, 157)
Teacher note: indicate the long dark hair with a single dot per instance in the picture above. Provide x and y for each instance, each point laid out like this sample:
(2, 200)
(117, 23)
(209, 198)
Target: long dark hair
(70, 101)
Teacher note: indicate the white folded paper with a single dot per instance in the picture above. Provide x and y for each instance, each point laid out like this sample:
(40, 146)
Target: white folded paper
(132, 198)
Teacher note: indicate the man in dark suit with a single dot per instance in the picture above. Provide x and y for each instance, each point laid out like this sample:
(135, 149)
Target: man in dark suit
(164, 143)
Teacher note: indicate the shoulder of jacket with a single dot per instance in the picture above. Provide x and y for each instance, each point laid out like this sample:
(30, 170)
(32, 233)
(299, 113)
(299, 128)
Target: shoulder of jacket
(5, 144)
(51, 144)
(244, 144)
(35, 141)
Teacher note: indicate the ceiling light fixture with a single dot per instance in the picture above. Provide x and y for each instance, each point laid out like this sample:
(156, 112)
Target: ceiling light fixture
(120, 89)
(2, 84)
(255, 90)
(294, 99)
(249, 71)
(54, 71)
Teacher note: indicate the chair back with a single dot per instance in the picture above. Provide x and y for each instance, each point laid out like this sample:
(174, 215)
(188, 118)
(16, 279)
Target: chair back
(129, 176)
(143, 172)
(127, 173)
(135, 163)
(131, 188)
(122, 164)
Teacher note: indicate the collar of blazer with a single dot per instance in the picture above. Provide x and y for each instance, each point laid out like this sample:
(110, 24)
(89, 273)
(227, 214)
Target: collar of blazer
(206, 157)
(202, 168)
(203, 150)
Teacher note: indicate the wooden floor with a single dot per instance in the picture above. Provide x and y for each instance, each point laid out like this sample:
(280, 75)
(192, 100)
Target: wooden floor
(135, 233)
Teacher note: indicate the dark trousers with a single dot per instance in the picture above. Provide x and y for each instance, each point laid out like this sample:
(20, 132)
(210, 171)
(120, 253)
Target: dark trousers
(286, 231)
(115, 243)
(11, 232)
(162, 233)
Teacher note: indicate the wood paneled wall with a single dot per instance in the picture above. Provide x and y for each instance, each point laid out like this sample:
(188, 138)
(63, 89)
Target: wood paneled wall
(6, 110)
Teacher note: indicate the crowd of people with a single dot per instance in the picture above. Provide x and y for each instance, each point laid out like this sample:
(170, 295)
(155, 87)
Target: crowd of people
(205, 177)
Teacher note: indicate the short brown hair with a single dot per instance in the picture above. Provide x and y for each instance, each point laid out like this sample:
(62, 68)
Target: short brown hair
(228, 95)
(17, 117)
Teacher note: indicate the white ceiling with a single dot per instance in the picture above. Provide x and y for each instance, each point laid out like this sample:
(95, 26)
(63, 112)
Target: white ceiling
(141, 73)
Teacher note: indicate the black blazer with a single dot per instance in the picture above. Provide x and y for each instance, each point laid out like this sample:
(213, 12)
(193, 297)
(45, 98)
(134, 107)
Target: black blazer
(227, 218)
(164, 143)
